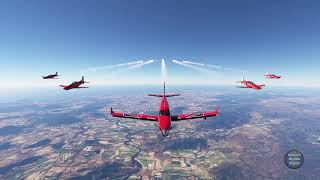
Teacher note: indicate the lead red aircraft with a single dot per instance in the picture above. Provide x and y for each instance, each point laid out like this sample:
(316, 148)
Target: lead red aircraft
(272, 76)
(164, 118)
(74, 85)
(51, 76)
(250, 84)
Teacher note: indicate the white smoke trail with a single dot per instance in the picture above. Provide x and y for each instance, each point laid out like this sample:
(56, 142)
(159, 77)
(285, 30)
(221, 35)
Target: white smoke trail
(95, 69)
(114, 74)
(204, 65)
(163, 71)
(193, 63)
(140, 65)
(193, 67)
(216, 67)
(213, 66)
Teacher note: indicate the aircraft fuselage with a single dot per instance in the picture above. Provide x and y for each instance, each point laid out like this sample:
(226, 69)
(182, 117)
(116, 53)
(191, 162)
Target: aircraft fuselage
(164, 120)
(49, 77)
(251, 85)
(73, 85)
(272, 76)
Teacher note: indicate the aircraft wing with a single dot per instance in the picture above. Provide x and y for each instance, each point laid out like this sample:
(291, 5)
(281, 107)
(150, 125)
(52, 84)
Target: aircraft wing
(242, 87)
(81, 87)
(135, 116)
(195, 115)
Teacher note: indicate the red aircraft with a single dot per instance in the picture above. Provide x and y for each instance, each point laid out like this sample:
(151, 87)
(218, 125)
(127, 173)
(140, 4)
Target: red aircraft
(272, 76)
(51, 76)
(250, 84)
(164, 118)
(75, 84)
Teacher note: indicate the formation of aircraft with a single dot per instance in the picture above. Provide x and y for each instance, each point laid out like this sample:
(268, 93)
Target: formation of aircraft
(249, 84)
(272, 76)
(252, 85)
(51, 76)
(75, 84)
(164, 118)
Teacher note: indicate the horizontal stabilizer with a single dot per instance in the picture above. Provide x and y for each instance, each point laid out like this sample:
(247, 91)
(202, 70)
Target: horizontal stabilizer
(155, 95)
(171, 95)
(167, 95)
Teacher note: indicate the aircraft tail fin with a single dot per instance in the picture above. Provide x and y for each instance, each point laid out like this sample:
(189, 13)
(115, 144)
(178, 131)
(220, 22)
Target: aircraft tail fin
(217, 110)
(164, 93)
(82, 80)
(164, 88)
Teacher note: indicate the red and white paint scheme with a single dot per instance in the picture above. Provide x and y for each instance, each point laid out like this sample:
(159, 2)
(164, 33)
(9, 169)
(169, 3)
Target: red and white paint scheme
(272, 76)
(250, 84)
(75, 85)
(51, 76)
(164, 118)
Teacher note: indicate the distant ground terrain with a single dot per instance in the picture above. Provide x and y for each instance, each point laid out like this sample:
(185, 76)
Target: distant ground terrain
(76, 138)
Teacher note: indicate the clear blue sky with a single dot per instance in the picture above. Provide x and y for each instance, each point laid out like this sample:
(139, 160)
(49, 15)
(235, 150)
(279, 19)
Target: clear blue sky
(40, 37)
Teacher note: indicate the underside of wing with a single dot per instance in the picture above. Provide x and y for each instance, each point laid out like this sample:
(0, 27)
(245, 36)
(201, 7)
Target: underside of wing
(243, 87)
(195, 115)
(134, 116)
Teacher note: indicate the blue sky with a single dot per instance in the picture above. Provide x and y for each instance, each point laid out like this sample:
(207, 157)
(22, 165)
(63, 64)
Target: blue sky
(40, 37)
